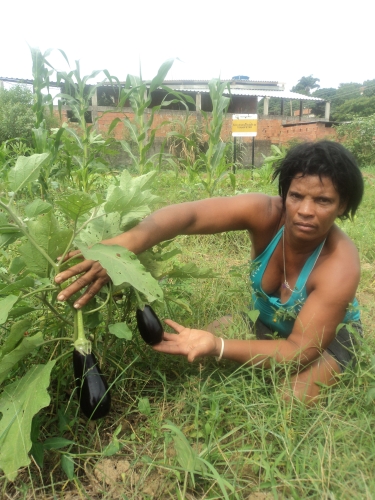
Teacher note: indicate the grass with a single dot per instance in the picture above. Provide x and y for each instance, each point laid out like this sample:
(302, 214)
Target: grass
(239, 438)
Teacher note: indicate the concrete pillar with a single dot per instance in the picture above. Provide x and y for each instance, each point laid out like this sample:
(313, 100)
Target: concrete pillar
(266, 103)
(1, 84)
(198, 105)
(327, 111)
(94, 104)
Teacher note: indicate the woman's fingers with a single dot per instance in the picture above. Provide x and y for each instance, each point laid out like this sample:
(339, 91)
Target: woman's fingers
(71, 254)
(92, 277)
(80, 268)
(177, 327)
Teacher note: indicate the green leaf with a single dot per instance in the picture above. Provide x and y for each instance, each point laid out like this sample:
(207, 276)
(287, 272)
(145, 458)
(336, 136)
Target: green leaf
(56, 443)
(28, 345)
(16, 312)
(144, 406)
(67, 465)
(162, 73)
(36, 208)
(19, 403)
(76, 204)
(186, 456)
(8, 239)
(134, 216)
(18, 285)
(253, 315)
(17, 265)
(131, 194)
(9, 229)
(139, 182)
(5, 306)
(104, 227)
(37, 451)
(121, 331)
(26, 170)
(122, 267)
(113, 125)
(125, 201)
(16, 334)
(47, 234)
(114, 446)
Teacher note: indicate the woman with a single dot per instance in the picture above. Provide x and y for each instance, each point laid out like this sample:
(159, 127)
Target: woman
(305, 270)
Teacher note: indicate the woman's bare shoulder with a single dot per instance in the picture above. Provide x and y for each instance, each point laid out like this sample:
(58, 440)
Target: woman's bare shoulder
(340, 264)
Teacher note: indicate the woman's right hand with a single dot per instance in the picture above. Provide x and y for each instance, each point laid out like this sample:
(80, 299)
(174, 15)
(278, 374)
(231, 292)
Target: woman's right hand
(91, 275)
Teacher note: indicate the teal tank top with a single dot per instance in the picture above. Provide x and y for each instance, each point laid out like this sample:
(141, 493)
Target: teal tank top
(280, 316)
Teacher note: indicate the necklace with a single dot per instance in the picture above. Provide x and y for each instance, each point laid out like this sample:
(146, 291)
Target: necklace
(286, 284)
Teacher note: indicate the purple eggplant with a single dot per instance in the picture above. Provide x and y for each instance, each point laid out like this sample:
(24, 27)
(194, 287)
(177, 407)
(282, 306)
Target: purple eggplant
(149, 325)
(92, 388)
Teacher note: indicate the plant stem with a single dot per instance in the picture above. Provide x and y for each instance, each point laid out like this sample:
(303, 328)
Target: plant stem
(81, 344)
(55, 311)
(21, 226)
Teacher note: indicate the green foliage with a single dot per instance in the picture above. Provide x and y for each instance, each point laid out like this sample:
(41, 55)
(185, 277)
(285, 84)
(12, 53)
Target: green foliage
(306, 84)
(20, 401)
(359, 137)
(42, 237)
(361, 106)
(141, 131)
(212, 166)
(177, 430)
(17, 117)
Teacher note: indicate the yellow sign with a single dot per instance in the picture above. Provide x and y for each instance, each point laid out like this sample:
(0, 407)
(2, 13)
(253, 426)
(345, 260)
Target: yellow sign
(244, 125)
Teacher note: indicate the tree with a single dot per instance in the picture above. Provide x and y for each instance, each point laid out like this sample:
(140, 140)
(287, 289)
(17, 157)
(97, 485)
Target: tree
(318, 107)
(17, 118)
(306, 84)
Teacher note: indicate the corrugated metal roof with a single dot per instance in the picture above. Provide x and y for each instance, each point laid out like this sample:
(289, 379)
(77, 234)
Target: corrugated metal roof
(280, 94)
(234, 81)
(202, 86)
(24, 81)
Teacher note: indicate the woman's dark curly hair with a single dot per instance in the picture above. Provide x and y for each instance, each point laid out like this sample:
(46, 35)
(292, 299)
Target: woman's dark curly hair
(326, 159)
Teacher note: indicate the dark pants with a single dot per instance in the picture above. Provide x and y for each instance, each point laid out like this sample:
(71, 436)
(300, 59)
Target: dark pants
(342, 347)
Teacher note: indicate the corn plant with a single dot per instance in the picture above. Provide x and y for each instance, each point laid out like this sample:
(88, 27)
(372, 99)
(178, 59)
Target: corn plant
(138, 94)
(86, 149)
(212, 166)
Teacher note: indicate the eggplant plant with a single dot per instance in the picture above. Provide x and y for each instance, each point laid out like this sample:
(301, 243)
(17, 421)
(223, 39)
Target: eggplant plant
(32, 236)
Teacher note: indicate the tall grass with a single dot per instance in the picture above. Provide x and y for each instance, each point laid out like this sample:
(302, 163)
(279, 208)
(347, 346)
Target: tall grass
(239, 438)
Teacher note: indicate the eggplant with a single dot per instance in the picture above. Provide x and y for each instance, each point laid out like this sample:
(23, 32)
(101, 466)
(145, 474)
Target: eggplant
(149, 325)
(92, 388)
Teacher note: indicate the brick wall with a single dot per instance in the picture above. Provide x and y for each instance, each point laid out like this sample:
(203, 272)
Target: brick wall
(271, 130)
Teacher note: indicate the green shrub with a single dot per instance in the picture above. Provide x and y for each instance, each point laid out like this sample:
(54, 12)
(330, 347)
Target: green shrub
(16, 115)
(359, 137)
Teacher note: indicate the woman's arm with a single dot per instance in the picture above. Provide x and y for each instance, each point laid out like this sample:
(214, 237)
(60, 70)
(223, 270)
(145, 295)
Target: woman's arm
(314, 328)
(210, 216)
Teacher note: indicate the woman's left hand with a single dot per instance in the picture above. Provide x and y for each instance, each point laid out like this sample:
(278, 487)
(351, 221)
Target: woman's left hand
(188, 342)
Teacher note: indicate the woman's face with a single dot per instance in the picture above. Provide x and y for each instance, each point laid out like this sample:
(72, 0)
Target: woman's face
(312, 204)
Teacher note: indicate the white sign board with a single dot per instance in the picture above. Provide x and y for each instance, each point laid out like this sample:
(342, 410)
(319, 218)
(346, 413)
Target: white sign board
(244, 125)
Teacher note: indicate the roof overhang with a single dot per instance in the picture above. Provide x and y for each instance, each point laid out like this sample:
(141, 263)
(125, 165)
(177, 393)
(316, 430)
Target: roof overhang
(279, 94)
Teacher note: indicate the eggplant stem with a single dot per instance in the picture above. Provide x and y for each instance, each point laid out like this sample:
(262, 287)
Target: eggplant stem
(81, 344)
(141, 304)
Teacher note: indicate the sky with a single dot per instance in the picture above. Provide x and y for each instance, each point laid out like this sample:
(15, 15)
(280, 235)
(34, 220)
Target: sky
(265, 40)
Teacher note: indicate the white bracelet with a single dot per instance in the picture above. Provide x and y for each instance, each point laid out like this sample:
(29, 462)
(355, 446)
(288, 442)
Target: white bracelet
(221, 350)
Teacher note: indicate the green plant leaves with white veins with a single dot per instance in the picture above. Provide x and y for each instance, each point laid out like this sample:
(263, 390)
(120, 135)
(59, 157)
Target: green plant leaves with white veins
(19, 402)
